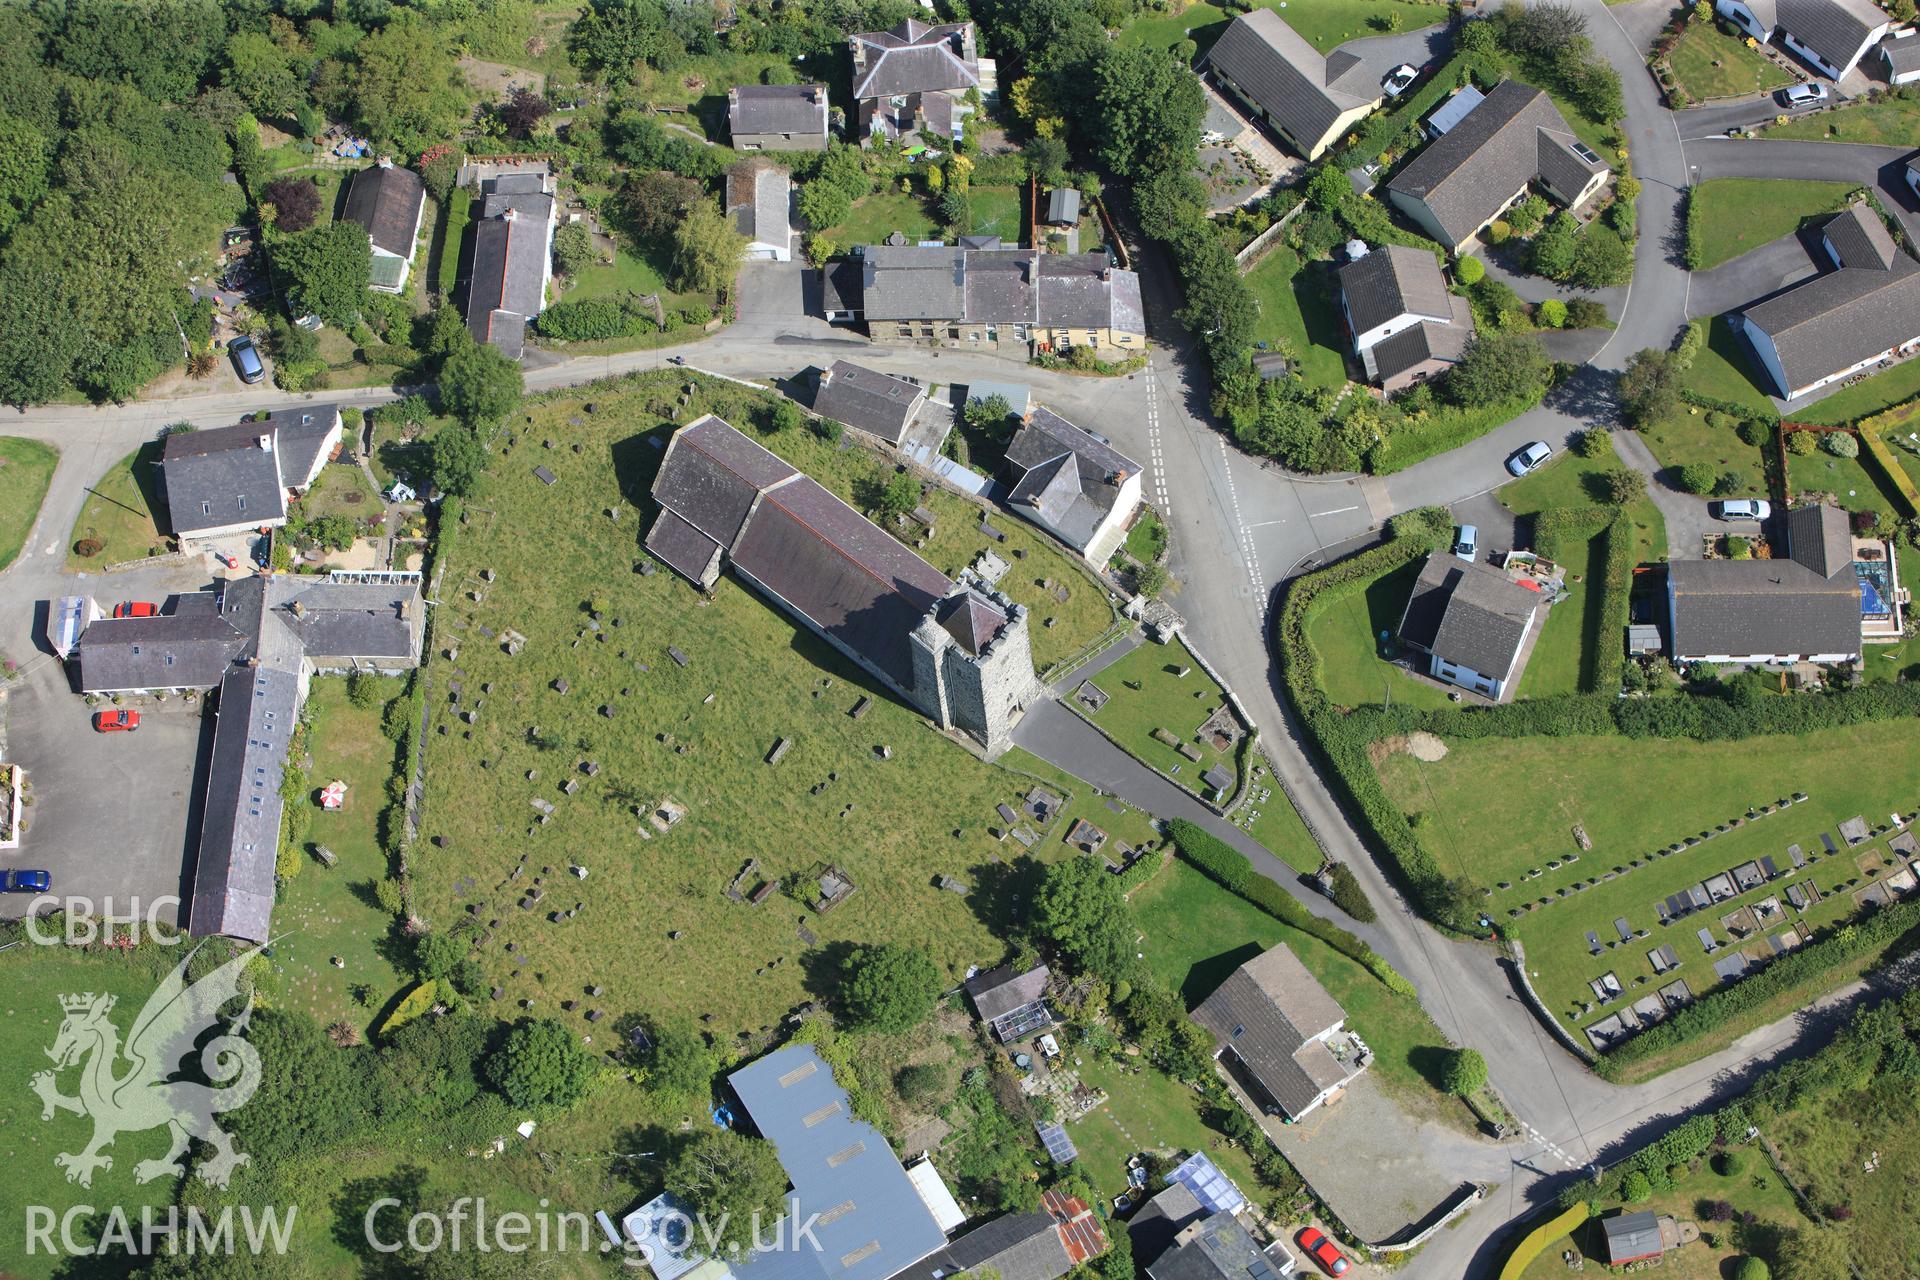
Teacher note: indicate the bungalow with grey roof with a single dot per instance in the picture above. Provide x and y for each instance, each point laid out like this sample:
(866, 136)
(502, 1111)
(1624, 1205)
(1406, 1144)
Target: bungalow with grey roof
(1073, 484)
(913, 77)
(1901, 54)
(1835, 324)
(1488, 159)
(1473, 622)
(1831, 35)
(778, 117)
(1309, 100)
(1800, 607)
(1280, 1035)
(1406, 325)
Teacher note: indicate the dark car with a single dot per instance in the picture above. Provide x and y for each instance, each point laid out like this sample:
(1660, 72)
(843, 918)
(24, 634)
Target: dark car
(25, 881)
(246, 360)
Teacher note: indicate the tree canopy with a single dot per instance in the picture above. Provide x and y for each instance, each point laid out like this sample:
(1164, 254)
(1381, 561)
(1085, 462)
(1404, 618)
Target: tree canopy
(541, 1063)
(706, 252)
(1080, 911)
(731, 1183)
(891, 987)
(326, 270)
(479, 385)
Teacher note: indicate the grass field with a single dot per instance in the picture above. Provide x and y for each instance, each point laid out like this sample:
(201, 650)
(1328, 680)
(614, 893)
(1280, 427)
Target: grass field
(630, 272)
(35, 978)
(328, 912)
(1710, 64)
(1269, 817)
(26, 468)
(1297, 309)
(1145, 693)
(1723, 370)
(1194, 934)
(1828, 1146)
(1325, 24)
(697, 734)
(1547, 786)
(878, 216)
(1124, 824)
(1889, 121)
(121, 511)
(1740, 214)
(1684, 436)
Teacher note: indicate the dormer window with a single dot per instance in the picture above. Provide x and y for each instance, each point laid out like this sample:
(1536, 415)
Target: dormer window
(241, 498)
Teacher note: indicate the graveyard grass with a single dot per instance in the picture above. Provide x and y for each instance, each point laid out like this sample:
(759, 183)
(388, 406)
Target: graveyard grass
(1164, 700)
(1533, 791)
(892, 825)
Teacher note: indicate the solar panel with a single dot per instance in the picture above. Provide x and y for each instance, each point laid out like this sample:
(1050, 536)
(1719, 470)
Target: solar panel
(1057, 1143)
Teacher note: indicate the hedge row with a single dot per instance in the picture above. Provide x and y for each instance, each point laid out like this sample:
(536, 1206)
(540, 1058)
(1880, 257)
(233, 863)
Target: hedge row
(1444, 430)
(1535, 1242)
(1234, 872)
(1616, 603)
(1892, 476)
(1809, 962)
(1141, 870)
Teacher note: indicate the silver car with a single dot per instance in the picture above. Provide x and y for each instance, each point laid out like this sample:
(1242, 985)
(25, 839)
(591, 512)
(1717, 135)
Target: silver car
(1529, 458)
(1804, 95)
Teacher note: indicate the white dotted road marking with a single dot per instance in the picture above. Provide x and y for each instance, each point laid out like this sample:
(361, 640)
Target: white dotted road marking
(1156, 459)
(1553, 1148)
(1251, 556)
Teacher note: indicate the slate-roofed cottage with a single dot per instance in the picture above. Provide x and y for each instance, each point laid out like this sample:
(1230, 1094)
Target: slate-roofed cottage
(512, 259)
(1072, 484)
(1473, 622)
(1466, 178)
(257, 641)
(760, 202)
(1012, 1003)
(868, 400)
(1406, 325)
(913, 77)
(232, 479)
(1833, 325)
(1217, 1247)
(1043, 1245)
(1801, 607)
(389, 201)
(957, 651)
(778, 117)
(1310, 100)
(1832, 35)
(1275, 1026)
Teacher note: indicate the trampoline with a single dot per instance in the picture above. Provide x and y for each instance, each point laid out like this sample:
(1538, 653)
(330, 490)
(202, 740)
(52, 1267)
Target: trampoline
(1876, 588)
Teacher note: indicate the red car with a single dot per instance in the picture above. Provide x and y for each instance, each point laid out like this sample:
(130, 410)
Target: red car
(135, 609)
(116, 721)
(227, 560)
(1322, 1251)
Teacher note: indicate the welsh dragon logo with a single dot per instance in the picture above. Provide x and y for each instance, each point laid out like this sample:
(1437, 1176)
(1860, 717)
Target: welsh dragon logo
(145, 1095)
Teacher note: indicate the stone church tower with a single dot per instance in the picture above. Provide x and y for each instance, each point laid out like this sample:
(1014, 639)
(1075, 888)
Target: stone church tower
(973, 665)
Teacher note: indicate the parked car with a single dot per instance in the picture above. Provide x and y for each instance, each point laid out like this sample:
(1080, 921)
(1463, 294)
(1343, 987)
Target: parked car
(232, 562)
(134, 609)
(1803, 95)
(120, 721)
(1741, 509)
(25, 881)
(246, 359)
(1466, 545)
(1529, 458)
(1400, 79)
(1323, 1251)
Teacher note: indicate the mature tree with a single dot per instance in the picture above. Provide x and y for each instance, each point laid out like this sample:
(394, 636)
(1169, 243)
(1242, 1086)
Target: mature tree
(823, 205)
(1149, 112)
(295, 201)
(405, 87)
(1167, 201)
(732, 1183)
(891, 987)
(655, 202)
(1047, 160)
(441, 332)
(678, 1062)
(24, 157)
(1465, 1073)
(262, 73)
(1752, 1268)
(326, 269)
(1499, 367)
(572, 248)
(541, 1063)
(457, 458)
(1649, 387)
(845, 166)
(785, 416)
(1557, 247)
(164, 48)
(522, 113)
(1329, 188)
(1601, 260)
(1220, 308)
(1622, 488)
(311, 1094)
(1545, 28)
(891, 495)
(1080, 911)
(613, 35)
(706, 251)
(989, 413)
(479, 385)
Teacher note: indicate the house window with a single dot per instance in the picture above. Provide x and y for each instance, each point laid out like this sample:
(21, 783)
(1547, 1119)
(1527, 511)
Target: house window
(1238, 1031)
(206, 508)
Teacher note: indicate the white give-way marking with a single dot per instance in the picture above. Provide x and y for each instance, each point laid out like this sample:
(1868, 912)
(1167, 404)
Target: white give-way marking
(1336, 511)
(1251, 556)
(1155, 457)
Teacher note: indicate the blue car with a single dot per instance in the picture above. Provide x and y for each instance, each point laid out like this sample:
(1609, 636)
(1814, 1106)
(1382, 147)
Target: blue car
(25, 881)
(246, 359)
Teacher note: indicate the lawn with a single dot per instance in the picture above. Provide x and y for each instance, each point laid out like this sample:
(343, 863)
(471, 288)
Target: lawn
(1120, 820)
(1684, 436)
(1147, 540)
(1753, 1189)
(1194, 933)
(999, 211)
(329, 913)
(37, 977)
(342, 489)
(1148, 692)
(1887, 121)
(1898, 383)
(1709, 64)
(1146, 1110)
(1355, 665)
(878, 216)
(697, 734)
(26, 468)
(1297, 314)
(1269, 817)
(1849, 480)
(121, 512)
(630, 273)
(1325, 24)
(1723, 371)
(1736, 215)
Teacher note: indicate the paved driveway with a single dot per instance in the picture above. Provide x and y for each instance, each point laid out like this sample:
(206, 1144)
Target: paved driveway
(1751, 276)
(114, 815)
(1381, 54)
(777, 290)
